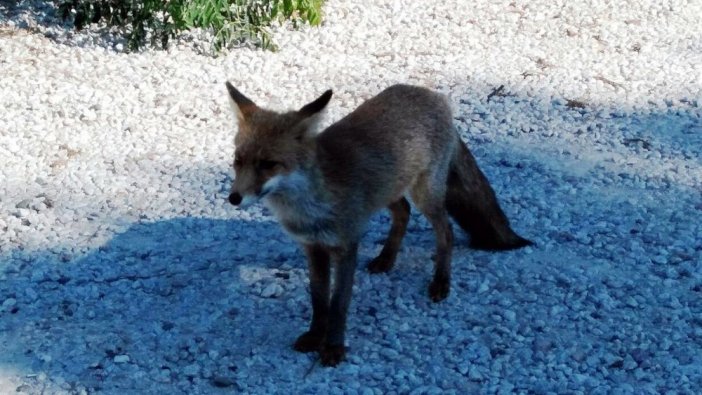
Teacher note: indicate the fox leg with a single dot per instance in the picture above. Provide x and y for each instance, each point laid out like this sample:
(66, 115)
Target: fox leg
(332, 350)
(430, 201)
(440, 284)
(318, 262)
(400, 211)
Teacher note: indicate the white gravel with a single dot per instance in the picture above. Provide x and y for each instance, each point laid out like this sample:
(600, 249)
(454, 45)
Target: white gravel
(124, 270)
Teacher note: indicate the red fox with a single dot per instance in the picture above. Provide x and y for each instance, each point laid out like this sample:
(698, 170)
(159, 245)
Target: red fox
(323, 188)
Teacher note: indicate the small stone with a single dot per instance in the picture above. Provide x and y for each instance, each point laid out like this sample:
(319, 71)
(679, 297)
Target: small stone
(543, 344)
(639, 374)
(509, 315)
(174, 110)
(222, 381)
(89, 115)
(24, 204)
(390, 353)
(580, 378)
(37, 275)
(121, 359)
(631, 302)
(555, 310)
(272, 290)
(629, 363)
(659, 259)
(164, 376)
(192, 370)
(484, 286)
(9, 302)
(474, 374)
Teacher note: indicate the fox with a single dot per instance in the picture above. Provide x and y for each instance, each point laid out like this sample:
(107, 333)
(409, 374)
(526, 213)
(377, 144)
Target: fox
(324, 187)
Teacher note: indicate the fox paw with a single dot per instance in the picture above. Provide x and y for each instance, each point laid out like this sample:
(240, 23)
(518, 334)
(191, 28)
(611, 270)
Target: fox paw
(439, 290)
(380, 264)
(308, 342)
(331, 355)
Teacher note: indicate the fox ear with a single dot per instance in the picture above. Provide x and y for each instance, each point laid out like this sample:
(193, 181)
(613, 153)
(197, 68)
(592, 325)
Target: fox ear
(316, 106)
(242, 105)
(308, 116)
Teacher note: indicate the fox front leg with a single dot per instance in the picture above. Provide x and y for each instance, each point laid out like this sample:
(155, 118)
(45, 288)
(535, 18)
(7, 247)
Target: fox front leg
(318, 263)
(333, 351)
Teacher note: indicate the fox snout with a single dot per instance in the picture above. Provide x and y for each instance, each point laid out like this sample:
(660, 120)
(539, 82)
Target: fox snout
(235, 198)
(245, 200)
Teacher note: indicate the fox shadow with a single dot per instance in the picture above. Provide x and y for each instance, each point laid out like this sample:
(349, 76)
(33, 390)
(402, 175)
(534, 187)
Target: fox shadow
(166, 304)
(156, 298)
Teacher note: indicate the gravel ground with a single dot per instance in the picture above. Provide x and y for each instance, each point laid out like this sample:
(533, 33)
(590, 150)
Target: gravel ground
(124, 270)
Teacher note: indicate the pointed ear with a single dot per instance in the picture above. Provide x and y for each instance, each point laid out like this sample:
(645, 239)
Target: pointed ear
(308, 117)
(316, 106)
(242, 105)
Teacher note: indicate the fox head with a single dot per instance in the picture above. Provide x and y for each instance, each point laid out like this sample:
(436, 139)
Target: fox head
(269, 144)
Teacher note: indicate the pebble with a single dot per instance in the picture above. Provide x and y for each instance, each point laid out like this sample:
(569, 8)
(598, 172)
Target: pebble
(191, 370)
(272, 290)
(223, 381)
(484, 286)
(24, 204)
(121, 359)
(509, 315)
(8, 303)
(474, 374)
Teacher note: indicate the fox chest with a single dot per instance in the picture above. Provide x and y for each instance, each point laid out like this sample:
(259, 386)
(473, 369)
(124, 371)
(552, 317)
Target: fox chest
(306, 220)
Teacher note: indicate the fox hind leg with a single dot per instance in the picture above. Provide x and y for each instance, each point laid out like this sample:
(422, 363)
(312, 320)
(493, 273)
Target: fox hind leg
(440, 284)
(400, 211)
(429, 199)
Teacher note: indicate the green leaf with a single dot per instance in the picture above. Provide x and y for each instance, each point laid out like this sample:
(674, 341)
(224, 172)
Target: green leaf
(157, 21)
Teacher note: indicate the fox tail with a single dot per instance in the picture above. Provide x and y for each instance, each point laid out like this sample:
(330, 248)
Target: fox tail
(471, 202)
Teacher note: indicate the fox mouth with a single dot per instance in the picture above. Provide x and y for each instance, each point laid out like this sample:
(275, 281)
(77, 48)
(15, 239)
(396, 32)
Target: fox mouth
(268, 189)
(250, 200)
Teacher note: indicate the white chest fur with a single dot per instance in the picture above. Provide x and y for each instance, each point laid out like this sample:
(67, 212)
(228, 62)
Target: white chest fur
(302, 208)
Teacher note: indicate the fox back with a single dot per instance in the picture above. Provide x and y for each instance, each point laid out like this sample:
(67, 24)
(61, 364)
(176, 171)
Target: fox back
(372, 156)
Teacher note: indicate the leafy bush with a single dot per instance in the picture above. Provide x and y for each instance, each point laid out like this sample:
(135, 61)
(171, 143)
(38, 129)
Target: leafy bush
(232, 21)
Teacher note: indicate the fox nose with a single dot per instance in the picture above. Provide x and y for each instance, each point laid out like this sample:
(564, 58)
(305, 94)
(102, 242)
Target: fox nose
(234, 198)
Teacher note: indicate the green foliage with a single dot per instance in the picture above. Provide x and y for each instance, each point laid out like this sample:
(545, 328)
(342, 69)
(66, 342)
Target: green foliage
(232, 21)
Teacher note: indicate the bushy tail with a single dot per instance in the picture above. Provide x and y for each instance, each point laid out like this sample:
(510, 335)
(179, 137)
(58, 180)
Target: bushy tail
(471, 202)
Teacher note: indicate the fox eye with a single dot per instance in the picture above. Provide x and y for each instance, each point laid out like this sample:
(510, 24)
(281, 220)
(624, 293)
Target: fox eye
(237, 162)
(267, 164)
